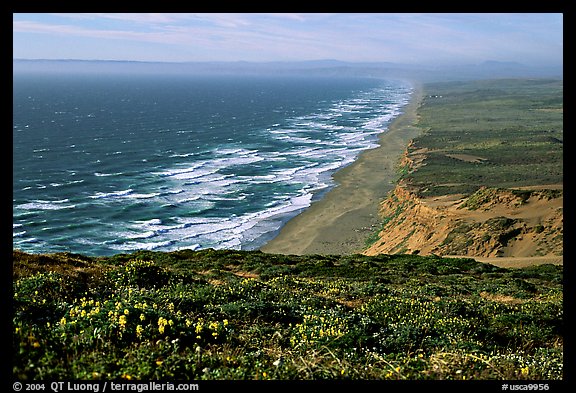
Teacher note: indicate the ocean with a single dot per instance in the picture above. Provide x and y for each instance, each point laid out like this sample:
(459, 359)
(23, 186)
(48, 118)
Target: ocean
(107, 164)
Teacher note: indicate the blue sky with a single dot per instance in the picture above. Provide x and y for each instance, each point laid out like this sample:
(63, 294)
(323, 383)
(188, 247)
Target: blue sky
(531, 38)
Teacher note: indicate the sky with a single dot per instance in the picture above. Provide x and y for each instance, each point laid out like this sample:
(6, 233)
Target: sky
(411, 38)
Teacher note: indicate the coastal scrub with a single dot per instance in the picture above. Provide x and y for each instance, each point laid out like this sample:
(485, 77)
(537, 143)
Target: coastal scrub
(248, 315)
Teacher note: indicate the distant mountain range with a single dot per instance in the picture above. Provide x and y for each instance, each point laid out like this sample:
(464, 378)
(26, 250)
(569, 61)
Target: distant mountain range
(487, 69)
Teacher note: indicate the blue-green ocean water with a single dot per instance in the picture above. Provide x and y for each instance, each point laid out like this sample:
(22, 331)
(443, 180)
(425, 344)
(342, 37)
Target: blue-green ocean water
(118, 163)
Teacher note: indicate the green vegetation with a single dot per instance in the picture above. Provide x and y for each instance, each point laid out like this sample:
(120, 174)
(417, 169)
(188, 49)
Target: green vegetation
(375, 236)
(511, 129)
(248, 315)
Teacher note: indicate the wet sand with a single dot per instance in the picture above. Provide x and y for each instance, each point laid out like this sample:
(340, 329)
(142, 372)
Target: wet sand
(341, 222)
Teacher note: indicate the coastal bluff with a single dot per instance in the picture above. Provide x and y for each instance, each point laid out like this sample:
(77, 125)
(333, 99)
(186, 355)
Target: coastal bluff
(484, 179)
(492, 222)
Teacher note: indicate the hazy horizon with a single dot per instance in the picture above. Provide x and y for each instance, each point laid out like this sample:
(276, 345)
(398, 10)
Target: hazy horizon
(411, 39)
(325, 68)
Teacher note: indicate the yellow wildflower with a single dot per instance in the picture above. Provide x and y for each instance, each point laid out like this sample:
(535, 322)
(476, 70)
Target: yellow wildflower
(122, 321)
(162, 322)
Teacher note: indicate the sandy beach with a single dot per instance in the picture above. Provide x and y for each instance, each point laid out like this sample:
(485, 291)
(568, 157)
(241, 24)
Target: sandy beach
(341, 222)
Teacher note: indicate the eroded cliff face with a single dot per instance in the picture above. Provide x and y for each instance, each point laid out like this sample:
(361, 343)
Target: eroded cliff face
(492, 222)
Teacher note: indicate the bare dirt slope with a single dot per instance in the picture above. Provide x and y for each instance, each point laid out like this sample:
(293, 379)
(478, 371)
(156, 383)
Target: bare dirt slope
(491, 223)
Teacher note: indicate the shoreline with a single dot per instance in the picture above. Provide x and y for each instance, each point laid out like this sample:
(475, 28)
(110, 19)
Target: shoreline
(347, 215)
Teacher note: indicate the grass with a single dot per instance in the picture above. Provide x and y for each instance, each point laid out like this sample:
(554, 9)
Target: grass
(515, 126)
(197, 315)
